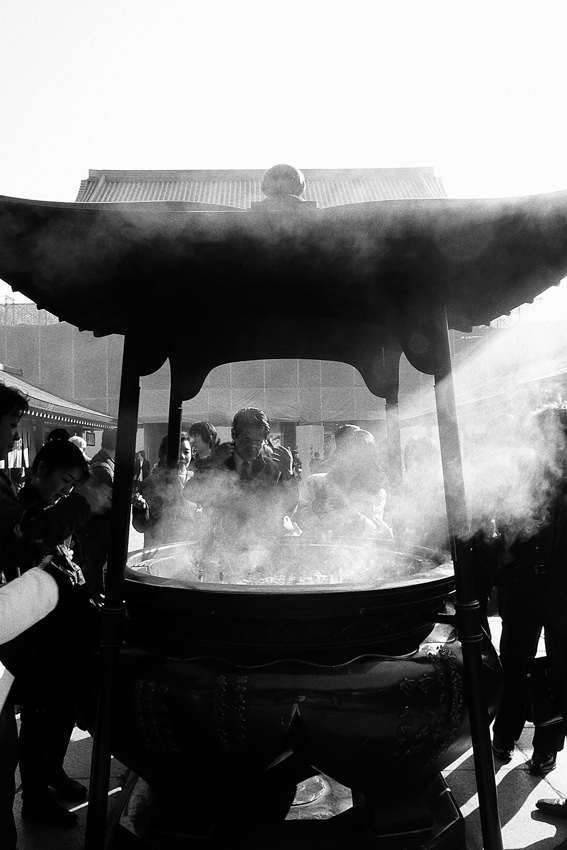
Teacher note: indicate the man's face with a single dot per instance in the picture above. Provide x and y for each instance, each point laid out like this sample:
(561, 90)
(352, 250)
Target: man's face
(201, 448)
(8, 433)
(249, 441)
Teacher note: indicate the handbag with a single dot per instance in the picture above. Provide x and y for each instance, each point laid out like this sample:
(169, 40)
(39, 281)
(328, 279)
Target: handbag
(543, 706)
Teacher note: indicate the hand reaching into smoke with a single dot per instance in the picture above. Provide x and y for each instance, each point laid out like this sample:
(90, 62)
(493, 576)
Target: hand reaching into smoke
(220, 455)
(138, 502)
(284, 459)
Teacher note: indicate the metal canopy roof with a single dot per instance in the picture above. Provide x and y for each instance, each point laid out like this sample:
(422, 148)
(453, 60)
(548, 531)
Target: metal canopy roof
(352, 283)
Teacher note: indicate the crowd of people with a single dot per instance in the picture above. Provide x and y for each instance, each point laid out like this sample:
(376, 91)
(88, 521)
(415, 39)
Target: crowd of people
(251, 486)
(54, 541)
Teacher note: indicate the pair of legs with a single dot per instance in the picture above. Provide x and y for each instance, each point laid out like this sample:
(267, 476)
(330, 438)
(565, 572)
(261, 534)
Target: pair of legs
(556, 641)
(522, 608)
(44, 737)
(45, 732)
(41, 750)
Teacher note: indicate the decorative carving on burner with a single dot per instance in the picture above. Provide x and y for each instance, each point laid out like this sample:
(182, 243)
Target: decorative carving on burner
(151, 710)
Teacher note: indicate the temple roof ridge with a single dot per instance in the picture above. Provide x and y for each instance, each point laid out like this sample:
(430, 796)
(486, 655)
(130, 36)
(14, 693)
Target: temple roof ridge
(241, 188)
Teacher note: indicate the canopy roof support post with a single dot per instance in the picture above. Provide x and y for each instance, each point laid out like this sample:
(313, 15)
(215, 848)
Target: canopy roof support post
(393, 438)
(113, 611)
(467, 605)
(174, 427)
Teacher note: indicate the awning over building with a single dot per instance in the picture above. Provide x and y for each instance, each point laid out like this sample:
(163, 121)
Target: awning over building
(54, 409)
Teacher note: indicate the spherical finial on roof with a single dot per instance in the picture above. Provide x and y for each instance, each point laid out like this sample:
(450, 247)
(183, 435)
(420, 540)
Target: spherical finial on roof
(283, 180)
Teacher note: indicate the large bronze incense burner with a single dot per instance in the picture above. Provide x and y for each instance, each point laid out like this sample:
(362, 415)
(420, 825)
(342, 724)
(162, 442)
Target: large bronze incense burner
(362, 284)
(272, 674)
(318, 602)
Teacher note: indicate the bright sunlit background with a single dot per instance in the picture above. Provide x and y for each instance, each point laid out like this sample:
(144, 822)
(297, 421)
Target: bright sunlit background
(476, 90)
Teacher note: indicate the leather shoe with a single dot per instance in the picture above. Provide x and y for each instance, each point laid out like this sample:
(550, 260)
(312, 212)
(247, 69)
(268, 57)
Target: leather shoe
(542, 763)
(68, 788)
(557, 808)
(44, 810)
(502, 749)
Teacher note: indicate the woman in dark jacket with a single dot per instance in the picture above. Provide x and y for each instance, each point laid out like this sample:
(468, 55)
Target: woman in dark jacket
(45, 659)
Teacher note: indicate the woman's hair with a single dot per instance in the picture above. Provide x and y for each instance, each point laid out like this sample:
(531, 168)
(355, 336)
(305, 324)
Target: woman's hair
(552, 415)
(206, 431)
(344, 433)
(252, 416)
(162, 451)
(357, 466)
(78, 441)
(420, 449)
(108, 440)
(60, 454)
(12, 401)
(57, 434)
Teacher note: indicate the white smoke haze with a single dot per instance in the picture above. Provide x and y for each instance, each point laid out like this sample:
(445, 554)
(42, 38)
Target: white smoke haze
(511, 459)
(288, 563)
(238, 539)
(511, 463)
(512, 454)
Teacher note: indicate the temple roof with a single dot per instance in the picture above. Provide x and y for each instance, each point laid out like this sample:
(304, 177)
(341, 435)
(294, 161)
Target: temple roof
(241, 188)
(43, 403)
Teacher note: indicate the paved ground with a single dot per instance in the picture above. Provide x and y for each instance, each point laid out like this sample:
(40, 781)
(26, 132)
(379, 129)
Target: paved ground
(523, 827)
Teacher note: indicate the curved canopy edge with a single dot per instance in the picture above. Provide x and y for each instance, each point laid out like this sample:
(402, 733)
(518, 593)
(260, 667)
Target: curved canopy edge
(106, 267)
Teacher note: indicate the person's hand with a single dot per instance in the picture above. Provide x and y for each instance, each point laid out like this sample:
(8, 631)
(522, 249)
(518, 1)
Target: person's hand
(220, 455)
(97, 494)
(168, 480)
(284, 459)
(138, 502)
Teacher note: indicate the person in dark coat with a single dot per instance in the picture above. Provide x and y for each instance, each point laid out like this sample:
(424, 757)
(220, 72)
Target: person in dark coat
(142, 469)
(46, 658)
(203, 438)
(248, 485)
(522, 606)
(553, 419)
(102, 463)
(93, 539)
(159, 510)
(13, 405)
(348, 497)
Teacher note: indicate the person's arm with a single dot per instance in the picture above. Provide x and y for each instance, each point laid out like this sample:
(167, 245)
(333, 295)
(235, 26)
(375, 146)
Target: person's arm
(103, 470)
(379, 505)
(54, 524)
(283, 457)
(140, 512)
(25, 601)
(10, 513)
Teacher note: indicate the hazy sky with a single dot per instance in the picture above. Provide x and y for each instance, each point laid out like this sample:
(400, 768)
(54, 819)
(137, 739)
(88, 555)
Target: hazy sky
(478, 90)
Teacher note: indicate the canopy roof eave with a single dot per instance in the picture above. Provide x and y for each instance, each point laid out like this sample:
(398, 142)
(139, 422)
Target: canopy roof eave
(385, 264)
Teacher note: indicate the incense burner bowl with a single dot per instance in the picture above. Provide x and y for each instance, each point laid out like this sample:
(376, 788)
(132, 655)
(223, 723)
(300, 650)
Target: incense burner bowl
(256, 685)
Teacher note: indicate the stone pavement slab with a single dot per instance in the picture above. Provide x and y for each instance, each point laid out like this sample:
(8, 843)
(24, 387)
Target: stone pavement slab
(523, 827)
